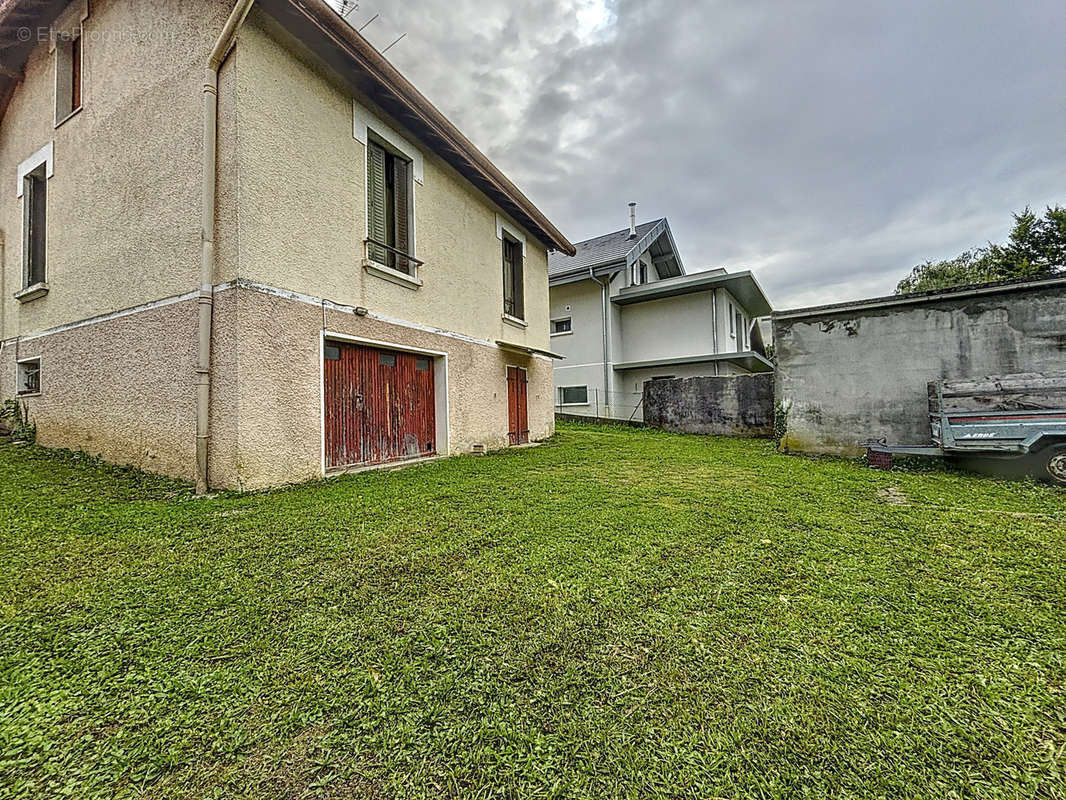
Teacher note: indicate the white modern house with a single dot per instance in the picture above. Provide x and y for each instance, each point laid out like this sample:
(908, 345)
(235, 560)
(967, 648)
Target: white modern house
(624, 311)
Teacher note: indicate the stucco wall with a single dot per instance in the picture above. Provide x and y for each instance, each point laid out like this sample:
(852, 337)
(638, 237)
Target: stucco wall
(844, 377)
(279, 428)
(123, 204)
(118, 389)
(668, 328)
(303, 204)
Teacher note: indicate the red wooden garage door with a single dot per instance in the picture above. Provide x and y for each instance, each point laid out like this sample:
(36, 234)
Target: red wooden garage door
(379, 405)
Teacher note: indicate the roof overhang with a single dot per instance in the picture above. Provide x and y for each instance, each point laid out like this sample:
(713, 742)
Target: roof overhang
(892, 301)
(17, 17)
(600, 271)
(752, 362)
(659, 243)
(749, 361)
(742, 285)
(334, 41)
(526, 350)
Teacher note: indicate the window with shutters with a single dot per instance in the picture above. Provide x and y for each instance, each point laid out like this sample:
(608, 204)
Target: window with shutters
(389, 209)
(34, 225)
(68, 75)
(513, 281)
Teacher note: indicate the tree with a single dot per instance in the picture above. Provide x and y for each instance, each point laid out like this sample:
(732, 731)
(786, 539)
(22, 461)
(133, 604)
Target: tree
(1036, 248)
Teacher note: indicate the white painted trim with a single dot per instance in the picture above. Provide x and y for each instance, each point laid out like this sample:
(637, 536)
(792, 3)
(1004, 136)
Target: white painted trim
(113, 315)
(392, 275)
(518, 322)
(512, 230)
(442, 408)
(46, 155)
(322, 396)
(363, 119)
(40, 376)
(241, 283)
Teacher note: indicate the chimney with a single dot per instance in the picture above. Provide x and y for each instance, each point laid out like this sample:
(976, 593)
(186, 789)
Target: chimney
(632, 220)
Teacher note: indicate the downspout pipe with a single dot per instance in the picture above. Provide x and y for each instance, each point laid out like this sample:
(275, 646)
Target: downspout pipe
(714, 325)
(209, 201)
(606, 350)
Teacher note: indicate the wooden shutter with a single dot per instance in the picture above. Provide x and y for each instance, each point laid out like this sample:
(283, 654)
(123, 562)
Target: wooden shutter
(508, 279)
(34, 202)
(519, 282)
(401, 182)
(75, 74)
(375, 200)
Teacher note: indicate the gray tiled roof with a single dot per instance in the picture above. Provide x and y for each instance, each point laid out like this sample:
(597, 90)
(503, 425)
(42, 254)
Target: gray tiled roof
(604, 249)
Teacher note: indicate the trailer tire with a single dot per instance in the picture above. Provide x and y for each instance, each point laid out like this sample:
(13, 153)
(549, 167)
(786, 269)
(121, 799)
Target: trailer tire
(1053, 459)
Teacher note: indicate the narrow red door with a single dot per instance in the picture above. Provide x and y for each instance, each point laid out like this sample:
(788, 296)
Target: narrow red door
(517, 411)
(379, 404)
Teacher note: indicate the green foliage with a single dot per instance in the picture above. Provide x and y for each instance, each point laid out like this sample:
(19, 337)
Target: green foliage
(1036, 249)
(16, 418)
(616, 614)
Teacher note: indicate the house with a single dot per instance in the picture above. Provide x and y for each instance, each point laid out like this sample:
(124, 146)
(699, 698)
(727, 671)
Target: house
(625, 311)
(241, 248)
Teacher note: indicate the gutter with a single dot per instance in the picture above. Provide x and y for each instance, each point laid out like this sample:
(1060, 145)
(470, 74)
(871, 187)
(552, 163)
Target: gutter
(209, 202)
(606, 348)
(714, 325)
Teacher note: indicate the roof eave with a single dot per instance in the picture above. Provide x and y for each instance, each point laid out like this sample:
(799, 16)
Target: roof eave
(311, 20)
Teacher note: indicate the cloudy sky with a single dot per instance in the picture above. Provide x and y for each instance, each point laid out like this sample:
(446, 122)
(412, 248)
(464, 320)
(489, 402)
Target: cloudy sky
(829, 145)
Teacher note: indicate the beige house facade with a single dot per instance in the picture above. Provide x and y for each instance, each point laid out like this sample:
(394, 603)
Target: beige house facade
(374, 289)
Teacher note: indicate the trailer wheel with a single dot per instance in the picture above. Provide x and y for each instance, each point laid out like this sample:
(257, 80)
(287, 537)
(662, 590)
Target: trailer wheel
(1054, 459)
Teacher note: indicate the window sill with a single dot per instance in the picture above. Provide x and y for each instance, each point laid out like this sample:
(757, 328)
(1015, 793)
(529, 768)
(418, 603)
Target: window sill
(561, 333)
(31, 293)
(518, 323)
(27, 395)
(391, 275)
(573, 405)
(69, 116)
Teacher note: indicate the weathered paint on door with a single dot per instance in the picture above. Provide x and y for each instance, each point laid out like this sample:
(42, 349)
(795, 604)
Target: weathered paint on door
(379, 405)
(517, 412)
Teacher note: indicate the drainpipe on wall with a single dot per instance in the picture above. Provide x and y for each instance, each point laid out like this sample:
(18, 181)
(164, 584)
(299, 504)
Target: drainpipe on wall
(206, 302)
(606, 351)
(714, 326)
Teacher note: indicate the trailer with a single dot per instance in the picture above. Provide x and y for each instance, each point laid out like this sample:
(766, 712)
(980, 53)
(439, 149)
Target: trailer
(1019, 417)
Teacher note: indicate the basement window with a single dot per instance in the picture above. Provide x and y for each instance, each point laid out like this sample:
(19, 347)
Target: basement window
(29, 377)
(574, 395)
(561, 326)
(68, 75)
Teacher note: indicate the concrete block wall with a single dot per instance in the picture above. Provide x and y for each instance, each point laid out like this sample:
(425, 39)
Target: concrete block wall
(739, 405)
(852, 372)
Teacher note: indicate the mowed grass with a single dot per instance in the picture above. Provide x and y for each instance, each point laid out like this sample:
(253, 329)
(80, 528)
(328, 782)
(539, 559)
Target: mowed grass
(616, 613)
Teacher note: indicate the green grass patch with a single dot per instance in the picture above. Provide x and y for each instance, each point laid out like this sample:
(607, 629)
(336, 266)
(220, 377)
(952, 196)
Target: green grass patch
(618, 613)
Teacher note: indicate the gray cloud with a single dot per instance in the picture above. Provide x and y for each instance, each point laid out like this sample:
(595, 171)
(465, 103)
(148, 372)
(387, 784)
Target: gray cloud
(830, 146)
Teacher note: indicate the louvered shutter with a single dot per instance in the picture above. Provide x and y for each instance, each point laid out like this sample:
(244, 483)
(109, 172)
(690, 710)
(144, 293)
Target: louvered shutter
(375, 200)
(401, 177)
(519, 281)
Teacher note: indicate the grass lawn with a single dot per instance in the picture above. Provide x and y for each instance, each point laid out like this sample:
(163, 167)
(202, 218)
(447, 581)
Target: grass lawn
(614, 614)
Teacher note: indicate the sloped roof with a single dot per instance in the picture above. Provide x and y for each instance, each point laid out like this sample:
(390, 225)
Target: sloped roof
(619, 247)
(599, 250)
(323, 30)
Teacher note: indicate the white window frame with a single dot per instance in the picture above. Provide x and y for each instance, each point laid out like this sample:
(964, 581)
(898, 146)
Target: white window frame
(367, 127)
(578, 386)
(19, 366)
(68, 26)
(562, 333)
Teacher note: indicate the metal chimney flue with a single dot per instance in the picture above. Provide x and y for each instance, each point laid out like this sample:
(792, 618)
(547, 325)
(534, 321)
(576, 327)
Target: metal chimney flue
(632, 220)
